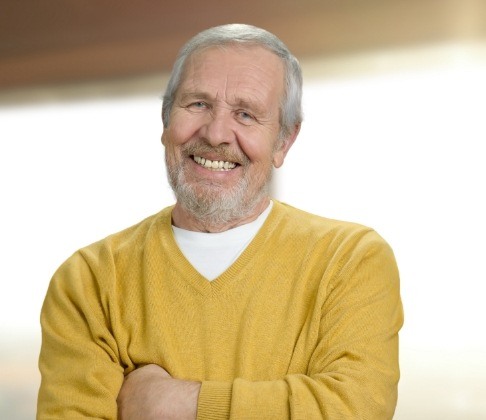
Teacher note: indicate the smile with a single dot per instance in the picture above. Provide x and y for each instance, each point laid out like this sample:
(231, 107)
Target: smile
(215, 165)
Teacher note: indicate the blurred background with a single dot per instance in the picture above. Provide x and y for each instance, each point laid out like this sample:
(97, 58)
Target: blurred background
(394, 102)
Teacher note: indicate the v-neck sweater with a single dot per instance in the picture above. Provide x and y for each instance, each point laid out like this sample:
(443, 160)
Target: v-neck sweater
(303, 325)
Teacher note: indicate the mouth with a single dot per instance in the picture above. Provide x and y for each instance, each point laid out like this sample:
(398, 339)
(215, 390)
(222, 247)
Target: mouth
(214, 165)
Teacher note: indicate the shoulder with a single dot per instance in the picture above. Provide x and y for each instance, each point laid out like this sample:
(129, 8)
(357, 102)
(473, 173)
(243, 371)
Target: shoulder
(348, 253)
(305, 223)
(125, 242)
(330, 236)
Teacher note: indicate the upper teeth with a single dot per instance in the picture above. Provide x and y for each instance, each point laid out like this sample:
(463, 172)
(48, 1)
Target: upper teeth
(214, 164)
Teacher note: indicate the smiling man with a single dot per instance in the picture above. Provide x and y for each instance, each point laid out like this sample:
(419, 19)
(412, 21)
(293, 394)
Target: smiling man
(228, 304)
(224, 136)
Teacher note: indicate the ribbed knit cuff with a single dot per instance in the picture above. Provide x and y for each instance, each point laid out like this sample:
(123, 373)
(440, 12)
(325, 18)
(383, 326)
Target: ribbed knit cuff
(214, 400)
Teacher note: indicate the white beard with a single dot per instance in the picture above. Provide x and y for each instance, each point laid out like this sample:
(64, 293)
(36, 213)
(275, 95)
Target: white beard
(213, 204)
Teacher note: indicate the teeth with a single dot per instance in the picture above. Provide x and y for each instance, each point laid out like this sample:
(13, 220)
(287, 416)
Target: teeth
(218, 165)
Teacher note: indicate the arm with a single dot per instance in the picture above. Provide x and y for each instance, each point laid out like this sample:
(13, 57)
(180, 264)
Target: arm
(79, 360)
(353, 369)
(353, 372)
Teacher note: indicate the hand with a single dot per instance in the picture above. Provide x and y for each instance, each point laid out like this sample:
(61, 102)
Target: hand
(150, 393)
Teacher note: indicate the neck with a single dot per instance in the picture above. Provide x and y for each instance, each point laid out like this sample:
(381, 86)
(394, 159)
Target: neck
(184, 219)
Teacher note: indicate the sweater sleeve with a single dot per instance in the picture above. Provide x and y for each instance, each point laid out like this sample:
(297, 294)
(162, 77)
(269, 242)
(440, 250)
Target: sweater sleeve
(81, 374)
(353, 370)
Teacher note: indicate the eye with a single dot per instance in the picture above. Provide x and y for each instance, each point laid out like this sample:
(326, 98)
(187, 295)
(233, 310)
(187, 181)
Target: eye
(198, 105)
(245, 116)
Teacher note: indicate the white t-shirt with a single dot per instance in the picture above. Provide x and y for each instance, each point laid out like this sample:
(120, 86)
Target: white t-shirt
(212, 253)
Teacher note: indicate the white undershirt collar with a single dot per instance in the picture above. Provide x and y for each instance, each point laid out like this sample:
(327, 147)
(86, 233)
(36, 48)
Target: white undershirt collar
(212, 253)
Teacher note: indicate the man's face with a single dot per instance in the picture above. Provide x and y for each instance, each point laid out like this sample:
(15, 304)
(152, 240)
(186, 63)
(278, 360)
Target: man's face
(222, 137)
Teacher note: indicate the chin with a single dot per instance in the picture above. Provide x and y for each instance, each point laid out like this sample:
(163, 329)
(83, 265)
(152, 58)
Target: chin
(217, 203)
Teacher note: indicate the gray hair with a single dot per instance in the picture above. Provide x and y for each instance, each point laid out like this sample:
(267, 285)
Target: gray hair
(291, 103)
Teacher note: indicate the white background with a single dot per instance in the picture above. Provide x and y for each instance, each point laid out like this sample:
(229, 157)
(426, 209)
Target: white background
(392, 140)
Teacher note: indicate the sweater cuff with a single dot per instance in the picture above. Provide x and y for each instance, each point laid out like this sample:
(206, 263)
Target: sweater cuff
(214, 400)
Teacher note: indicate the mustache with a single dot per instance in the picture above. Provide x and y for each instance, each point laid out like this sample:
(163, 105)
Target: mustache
(224, 152)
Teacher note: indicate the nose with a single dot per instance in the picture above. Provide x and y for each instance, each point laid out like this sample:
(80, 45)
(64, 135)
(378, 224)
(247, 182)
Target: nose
(218, 128)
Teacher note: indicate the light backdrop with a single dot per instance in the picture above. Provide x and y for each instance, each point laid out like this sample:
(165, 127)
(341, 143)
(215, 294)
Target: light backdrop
(392, 140)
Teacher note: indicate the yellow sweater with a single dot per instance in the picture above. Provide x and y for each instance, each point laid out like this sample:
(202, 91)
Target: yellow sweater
(304, 325)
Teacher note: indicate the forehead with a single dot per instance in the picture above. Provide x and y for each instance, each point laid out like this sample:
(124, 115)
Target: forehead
(234, 70)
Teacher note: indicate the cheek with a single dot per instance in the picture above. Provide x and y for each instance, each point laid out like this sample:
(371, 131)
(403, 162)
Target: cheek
(181, 129)
(171, 145)
(258, 149)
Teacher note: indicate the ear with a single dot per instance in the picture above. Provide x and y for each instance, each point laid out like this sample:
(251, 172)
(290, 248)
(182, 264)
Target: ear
(163, 138)
(284, 147)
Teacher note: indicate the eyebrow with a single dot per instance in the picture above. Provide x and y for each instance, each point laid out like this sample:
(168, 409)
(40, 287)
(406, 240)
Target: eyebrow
(253, 105)
(193, 95)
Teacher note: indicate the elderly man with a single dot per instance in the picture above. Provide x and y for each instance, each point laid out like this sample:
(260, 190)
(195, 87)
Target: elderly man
(227, 304)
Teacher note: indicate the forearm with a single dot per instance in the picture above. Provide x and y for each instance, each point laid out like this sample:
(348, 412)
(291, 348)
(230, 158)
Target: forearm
(297, 397)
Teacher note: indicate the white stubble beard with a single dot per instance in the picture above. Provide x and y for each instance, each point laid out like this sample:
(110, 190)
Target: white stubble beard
(214, 204)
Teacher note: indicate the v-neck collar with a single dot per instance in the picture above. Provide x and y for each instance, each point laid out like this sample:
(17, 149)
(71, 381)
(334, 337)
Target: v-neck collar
(190, 276)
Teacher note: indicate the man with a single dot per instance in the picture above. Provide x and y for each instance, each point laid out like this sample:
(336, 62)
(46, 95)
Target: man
(228, 304)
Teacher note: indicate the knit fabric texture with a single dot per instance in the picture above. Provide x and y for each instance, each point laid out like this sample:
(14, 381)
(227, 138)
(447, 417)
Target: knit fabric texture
(304, 324)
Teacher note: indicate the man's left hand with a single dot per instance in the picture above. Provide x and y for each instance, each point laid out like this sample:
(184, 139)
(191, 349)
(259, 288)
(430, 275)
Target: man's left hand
(150, 393)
